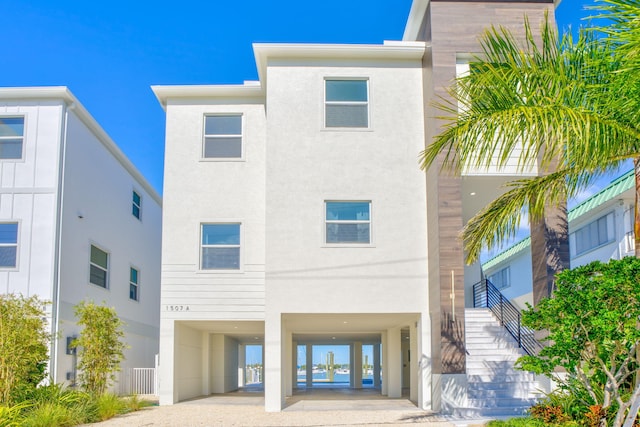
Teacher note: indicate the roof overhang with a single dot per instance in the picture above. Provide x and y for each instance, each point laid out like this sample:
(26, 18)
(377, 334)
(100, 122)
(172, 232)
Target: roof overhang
(246, 90)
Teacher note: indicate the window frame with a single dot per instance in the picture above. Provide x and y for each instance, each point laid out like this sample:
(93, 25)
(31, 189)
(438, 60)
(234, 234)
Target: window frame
(367, 103)
(203, 157)
(326, 221)
(134, 284)
(16, 244)
(22, 137)
(135, 205)
(502, 272)
(106, 270)
(201, 247)
(611, 237)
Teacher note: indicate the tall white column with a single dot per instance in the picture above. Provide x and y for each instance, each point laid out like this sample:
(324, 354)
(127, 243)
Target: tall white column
(394, 362)
(288, 362)
(428, 384)
(273, 387)
(352, 366)
(294, 365)
(414, 356)
(385, 365)
(242, 365)
(357, 364)
(206, 364)
(376, 365)
(309, 365)
(167, 368)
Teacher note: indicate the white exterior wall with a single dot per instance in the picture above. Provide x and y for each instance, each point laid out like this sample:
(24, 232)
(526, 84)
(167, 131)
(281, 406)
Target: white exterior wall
(307, 165)
(99, 189)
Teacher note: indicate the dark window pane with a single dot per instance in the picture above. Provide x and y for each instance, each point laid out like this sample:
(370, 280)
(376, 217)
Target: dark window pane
(135, 210)
(98, 276)
(347, 90)
(9, 233)
(223, 125)
(348, 211)
(136, 198)
(99, 257)
(347, 116)
(133, 292)
(348, 233)
(11, 149)
(8, 256)
(221, 234)
(11, 126)
(223, 147)
(220, 258)
(133, 275)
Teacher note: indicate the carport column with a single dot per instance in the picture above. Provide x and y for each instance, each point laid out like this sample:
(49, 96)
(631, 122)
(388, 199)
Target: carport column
(352, 366)
(273, 387)
(413, 362)
(242, 365)
(309, 365)
(385, 365)
(394, 363)
(206, 364)
(376, 365)
(428, 389)
(167, 368)
(357, 364)
(294, 365)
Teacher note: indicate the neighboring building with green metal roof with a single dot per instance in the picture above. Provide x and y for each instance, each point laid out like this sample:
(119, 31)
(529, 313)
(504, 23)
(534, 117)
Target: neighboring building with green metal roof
(600, 228)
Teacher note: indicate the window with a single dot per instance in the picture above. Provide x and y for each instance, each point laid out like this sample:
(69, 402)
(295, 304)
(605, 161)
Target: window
(594, 234)
(220, 249)
(348, 222)
(99, 267)
(346, 104)
(136, 206)
(11, 137)
(501, 279)
(133, 283)
(8, 244)
(223, 136)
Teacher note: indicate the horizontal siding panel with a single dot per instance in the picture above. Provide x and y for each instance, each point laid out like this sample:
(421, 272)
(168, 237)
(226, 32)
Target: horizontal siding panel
(187, 300)
(214, 293)
(220, 315)
(199, 287)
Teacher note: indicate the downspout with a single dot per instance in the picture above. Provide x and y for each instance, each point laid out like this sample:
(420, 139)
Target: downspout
(55, 303)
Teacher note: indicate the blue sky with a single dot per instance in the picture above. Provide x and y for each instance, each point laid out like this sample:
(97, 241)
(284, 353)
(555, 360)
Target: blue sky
(109, 53)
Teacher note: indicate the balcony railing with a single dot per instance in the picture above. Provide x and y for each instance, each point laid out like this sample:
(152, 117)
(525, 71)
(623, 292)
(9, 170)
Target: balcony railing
(488, 296)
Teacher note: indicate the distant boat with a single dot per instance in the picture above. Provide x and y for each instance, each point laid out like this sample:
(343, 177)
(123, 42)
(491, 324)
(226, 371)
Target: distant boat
(342, 371)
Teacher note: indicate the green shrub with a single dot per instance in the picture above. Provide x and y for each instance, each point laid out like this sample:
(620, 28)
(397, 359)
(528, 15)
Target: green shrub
(11, 416)
(52, 415)
(109, 405)
(134, 403)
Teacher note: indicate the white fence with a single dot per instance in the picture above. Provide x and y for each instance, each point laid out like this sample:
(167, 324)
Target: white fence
(139, 381)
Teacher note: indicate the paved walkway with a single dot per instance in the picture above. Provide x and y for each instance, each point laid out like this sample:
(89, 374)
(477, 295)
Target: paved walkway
(308, 409)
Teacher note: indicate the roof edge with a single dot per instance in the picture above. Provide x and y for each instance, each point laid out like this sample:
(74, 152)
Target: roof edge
(247, 90)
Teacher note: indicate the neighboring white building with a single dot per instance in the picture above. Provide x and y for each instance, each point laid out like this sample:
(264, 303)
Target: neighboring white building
(77, 222)
(600, 229)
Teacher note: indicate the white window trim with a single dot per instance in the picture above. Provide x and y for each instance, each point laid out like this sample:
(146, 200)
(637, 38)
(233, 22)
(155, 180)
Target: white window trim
(137, 285)
(205, 136)
(610, 240)
(17, 244)
(240, 268)
(107, 280)
(139, 205)
(24, 137)
(325, 221)
(324, 126)
(508, 270)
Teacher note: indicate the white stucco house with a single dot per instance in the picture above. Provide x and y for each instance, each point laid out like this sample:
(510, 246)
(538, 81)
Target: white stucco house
(600, 229)
(295, 214)
(77, 222)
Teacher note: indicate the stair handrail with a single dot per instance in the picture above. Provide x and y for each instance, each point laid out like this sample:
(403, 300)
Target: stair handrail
(486, 295)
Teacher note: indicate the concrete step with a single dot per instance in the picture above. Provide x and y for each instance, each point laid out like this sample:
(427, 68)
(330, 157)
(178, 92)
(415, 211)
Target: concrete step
(495, 402)
(507, 386)
(488, 412)
(516, 376)
(507, 393)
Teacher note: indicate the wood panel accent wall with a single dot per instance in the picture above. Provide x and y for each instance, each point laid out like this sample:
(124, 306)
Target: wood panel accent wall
(452, 29)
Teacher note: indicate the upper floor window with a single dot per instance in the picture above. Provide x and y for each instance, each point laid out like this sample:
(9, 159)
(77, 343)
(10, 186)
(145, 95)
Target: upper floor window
(99, 267)
(346, 103)
(594, 234)
(136, 205)
(348, 222)
(133, 283)
(8, 244)
(11, 137)
(223, 136)
(220, 247)
(501, 279)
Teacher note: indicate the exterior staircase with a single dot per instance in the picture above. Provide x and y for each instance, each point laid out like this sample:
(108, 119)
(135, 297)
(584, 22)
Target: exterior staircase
(494, 388)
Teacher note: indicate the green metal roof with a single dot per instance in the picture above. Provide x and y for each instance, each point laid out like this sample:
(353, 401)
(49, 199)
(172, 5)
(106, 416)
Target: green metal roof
(613, 190)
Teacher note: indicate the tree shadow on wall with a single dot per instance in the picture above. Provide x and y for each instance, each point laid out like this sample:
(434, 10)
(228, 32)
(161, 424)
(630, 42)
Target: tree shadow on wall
(452, 341)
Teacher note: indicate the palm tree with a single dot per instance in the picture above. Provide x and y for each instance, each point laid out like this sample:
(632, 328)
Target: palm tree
(565, 103)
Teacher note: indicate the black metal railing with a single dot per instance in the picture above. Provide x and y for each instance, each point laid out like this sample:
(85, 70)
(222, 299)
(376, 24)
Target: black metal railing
(488, 296)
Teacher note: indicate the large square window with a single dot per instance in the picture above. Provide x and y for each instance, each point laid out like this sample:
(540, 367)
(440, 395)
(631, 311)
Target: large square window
(348, 222)
(11, 137)
(346, 104)
(99, 267)
(220, 247)
(595, 234)
(8, 244)
(223, 136)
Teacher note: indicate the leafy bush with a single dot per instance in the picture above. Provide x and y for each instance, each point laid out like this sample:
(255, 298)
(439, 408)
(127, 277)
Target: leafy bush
(548, 413)
(24, 345)
(11, 416)
(109, 405)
